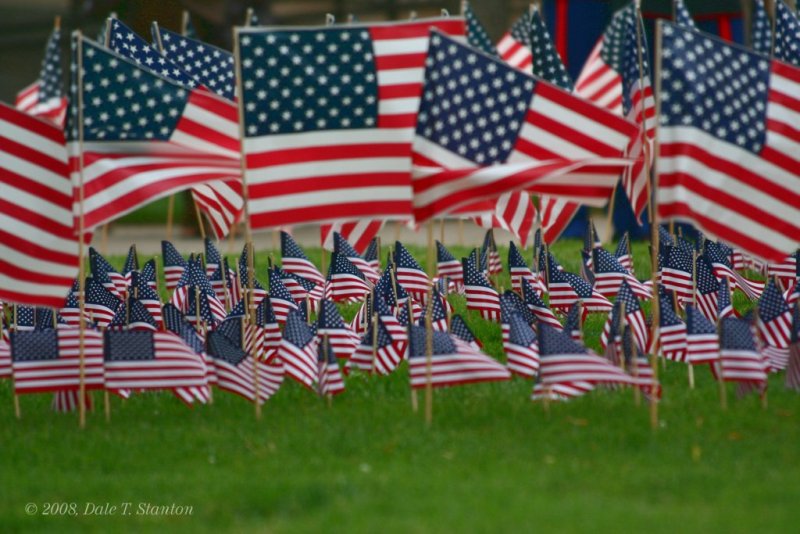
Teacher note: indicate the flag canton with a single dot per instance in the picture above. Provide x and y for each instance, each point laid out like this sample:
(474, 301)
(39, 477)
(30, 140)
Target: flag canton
(667, 317)
(515, 259)
(131, 261)
(265, 314)
(772, 304)
(614, 37)
(212, 253)
(472, 104)
(34, 346)
(551, 342)
(341, 265)
(99, 265)
(122, 102)
(138, 313)
(682, 16)
(580, 286)
(297, 331)
(515, 301)
(724, 295)
(625, 296)
(520, 28)
(680, 259)
(127, 43)
(631, 71)
(471, 276)
(442, 344)
(572, 322)
(127, 346)
(25, 317)
(762, 34)
(546, 61)
(221, 348)
(308, 80)
(372, 253)
(476, 33)
(171, 256)
(711, 86)
(460, 329)
(736, 335)
(209, 65)
(696, 322)
(50, 76)
(97, 294)
(520, 332)
(329, 316)
(787, 31)
(290, 249)
(706, 281)
(622, 246)
(403, 257)
(604, 262)
(718, 253)
(277, 288)
(343, 246)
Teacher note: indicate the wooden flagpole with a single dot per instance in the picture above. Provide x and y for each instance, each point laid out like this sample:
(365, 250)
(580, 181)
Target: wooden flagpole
(429, 360)
(414, 398)
(610, 218)
(81, 246)
(652, 199)
(185, 17)
(249, 313)
(431, 264)
(17, 410)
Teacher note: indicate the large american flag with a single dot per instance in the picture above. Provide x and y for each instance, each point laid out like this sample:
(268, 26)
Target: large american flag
(728, 154)
(49, 360)
(329, 116)
(486, 128)
(37, 240)
(144, 137)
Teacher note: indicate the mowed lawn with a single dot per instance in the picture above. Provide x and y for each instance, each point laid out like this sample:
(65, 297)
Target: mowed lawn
(492, 460)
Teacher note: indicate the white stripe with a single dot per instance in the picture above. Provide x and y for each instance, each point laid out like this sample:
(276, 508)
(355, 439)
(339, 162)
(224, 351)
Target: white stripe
(334, 167)
(400, 76)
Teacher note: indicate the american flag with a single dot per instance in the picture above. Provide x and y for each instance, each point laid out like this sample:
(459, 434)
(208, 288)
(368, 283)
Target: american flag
(556, 214)
(132, 315)
(281, 299)
(677, 273)
(270, 330)
(535, 304)
(460, 329)
(682, 16)
(334, 142)
(100, 304)
(131, 264)
(481, 296)
(514, 45)
(793, 369)
(49, 360)
(360, 233)
(733, 175)
(330, 324)
(786, 270)
(547, 63)
(787, 29)
(345, 281)
(623, 252)
(300, 288)
(174, 265)
(235, 370)
(724, 304)
(489, 249)
(105, 273)
(294, 260)
(609, 274)
(45, 97)
(592, 300)
(702, 342)
(476, 33)
(707, 290)
(194, 276)
(496, 129)
(519, 271)
(572, 324)
(410, 274)
(761, 30)
(330, 376)
(438, 313)
(719, 256)
(671, 329)
(298, 350)
(561, 294)
(154, 360)
(739, 356)
(208, 65)
(521, 348)
(567, 369)
(775, 326)
(634, 316)
(37, 240)
(638, 365)
(600, 80)
(453, 362)
(144, 137)
(448, 266)
(379, 351)
(342, 246)
(372, 254)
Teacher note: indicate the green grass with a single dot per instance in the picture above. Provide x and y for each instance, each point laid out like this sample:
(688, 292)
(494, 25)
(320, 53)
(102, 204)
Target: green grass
(492, 461)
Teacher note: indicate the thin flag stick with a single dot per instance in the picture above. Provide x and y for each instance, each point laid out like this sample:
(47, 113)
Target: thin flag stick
(431, 262)
(185, 17)
(648, 157)
(81, 251)
(429, 361)
(460, 232)
(610, 218)
(171, 200)
(654, 228)
(245, 196)
(17, 410)
(414, 398)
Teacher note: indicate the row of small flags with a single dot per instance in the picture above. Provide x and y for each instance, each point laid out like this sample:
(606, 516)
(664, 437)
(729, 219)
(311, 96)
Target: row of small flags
(207, 335)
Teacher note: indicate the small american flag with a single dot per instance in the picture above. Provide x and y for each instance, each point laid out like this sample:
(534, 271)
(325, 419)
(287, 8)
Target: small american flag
(101, 305)
(379, 350)
(360, 232)
(330, 324)
(724, 304)
(105, 273)
(373, 253)
(682, 16)
(298, 350)
(342, 246)
(672, 330)
(280, 297)
(623, 252)
(519, 270)
(300, 288)
(739, 356)
(410, 274)
(476, 33)
(448, 266)
(45, 97)
(294, 260)
(719, 255)
(311, 159)
(489, 249)
(345, 281)
(522, 349)
(481, 296)
(154, 360)
(572, 324)
(235, 370)
(460, 329)
(707, 290)
(49, 360)
(535, 304)
(677, 272)
(775, 326)
(634, 316)
(174, 265)
(330, 376)
(514, 45)
(453, 362)
(609, 274)
(762, 31)
(787, 28)
(702, 342)
(438, 313)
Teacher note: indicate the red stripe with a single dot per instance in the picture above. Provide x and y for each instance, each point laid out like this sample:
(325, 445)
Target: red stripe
(562, 33)
(564, 131)
(271, 158)
(31, 123)
(422, 28)
(338, 184)
(215, 104)
(341, 210)
(206, 133)
(400, 61)
(403, 90)
(586, 109)
(406, 120)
